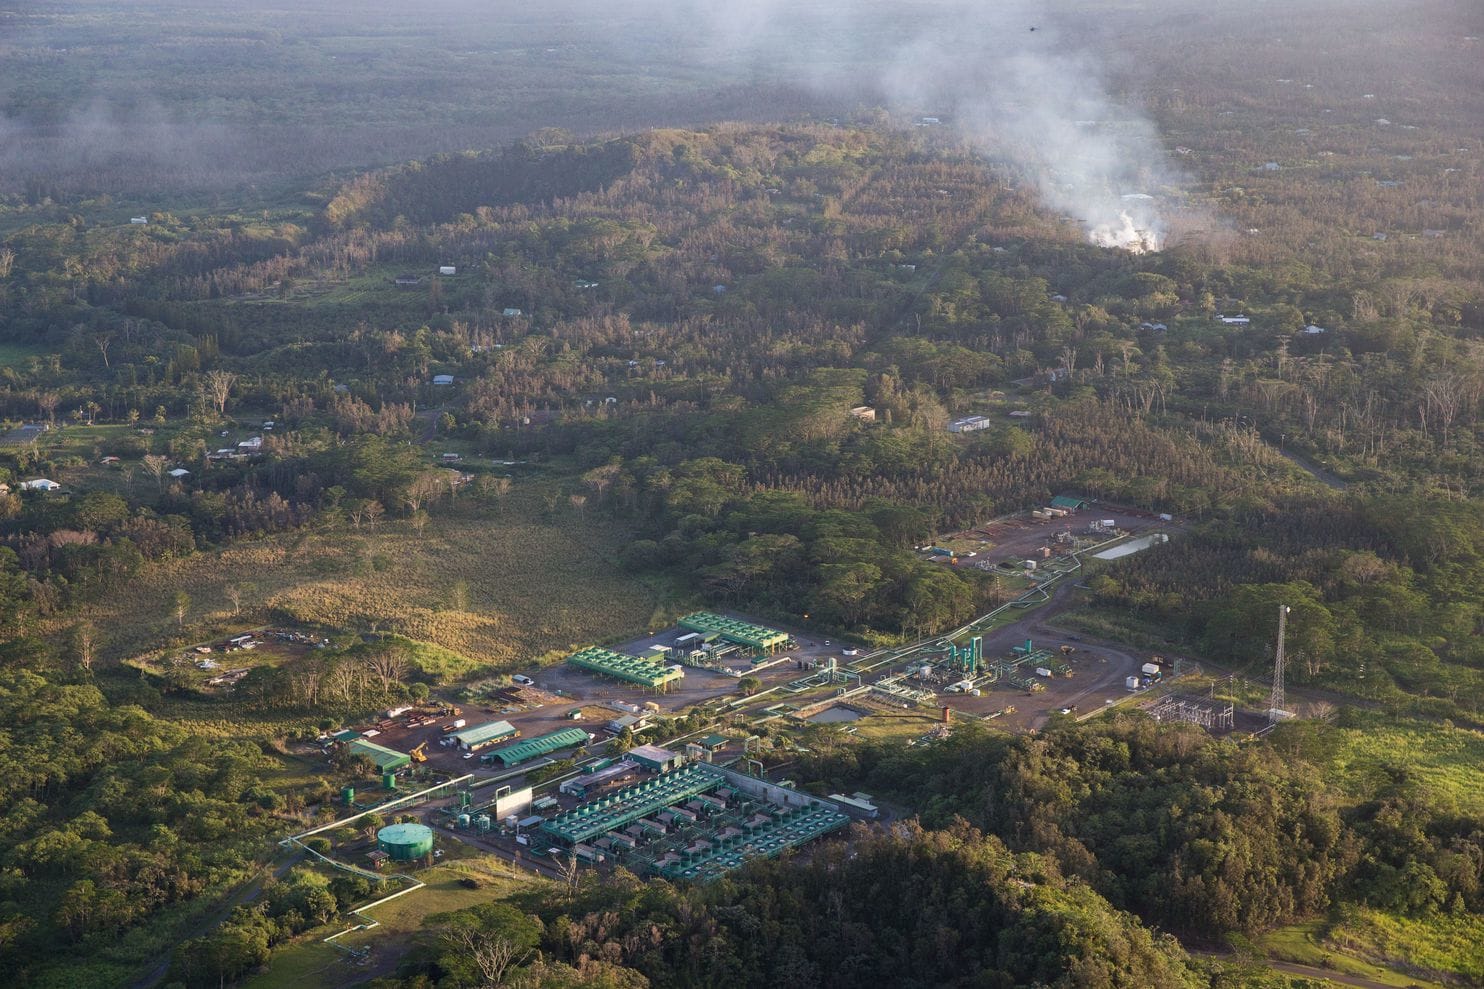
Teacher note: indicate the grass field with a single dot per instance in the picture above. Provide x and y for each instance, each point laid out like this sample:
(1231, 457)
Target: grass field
(1310, 944)
(309, 962)
(498, 591)
(1442, 759)
(1441, 943)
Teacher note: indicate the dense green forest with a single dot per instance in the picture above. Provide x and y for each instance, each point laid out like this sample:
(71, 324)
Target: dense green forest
(637, 384)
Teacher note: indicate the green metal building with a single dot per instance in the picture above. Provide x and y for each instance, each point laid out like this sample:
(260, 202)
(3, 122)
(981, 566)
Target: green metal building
(531, 748)
(759, 637)
(480, 736)
(387, 760)
(632, 669)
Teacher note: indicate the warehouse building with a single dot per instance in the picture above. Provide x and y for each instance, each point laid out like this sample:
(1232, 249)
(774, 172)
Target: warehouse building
(387, 760)
(483, 736)
(531, 748)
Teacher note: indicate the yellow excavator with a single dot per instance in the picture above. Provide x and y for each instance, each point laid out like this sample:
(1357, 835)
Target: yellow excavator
(417, 754)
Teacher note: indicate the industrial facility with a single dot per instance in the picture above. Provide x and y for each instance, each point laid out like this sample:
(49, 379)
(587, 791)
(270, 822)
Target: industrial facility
(405, 842)
(696, 822)
(762, 640)
(644, 671)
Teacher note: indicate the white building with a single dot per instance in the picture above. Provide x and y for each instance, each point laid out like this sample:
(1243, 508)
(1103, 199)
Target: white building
(442, 379)
(40, 484)
(968, 424)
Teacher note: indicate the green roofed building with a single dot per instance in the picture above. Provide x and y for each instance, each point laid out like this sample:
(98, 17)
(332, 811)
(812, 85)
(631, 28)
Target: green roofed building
(1068, 502)
(531, 748)
(480, 736)
(387, 760)
(632, 669)
(764, 640)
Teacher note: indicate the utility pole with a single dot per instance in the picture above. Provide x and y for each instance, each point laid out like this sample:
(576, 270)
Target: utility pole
(1275, 708)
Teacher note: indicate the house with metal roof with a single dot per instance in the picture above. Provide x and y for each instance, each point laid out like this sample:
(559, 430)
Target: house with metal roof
(1069, 502)
(713, 743)
(480, 736)
(531, 748)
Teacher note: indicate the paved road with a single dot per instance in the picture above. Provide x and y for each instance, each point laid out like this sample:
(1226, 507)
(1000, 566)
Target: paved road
(1319, 473)
(1309, 972)
(245, 893)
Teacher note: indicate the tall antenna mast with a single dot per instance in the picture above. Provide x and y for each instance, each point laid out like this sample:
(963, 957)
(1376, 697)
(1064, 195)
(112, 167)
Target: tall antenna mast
(1275, 708)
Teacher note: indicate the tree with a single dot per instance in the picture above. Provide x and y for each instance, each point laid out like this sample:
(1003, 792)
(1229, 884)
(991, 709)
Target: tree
(155, 465)
(103, 341)
(749, 685)
(622, 742)
(389, 664)
(219, 388)
(182, 607)
(234, 595)
(84, 646)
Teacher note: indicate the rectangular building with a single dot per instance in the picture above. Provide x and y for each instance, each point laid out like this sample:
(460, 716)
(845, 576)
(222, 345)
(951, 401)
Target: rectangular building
(541, 745)
(485, 735)
(387, 760)
(759, 637)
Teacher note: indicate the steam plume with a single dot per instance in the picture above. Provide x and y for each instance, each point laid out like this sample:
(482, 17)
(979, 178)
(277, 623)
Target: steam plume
(1001, 73)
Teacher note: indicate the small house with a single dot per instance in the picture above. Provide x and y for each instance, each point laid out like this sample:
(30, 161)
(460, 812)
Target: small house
(511, 312)
(447, 269)
(713, 743)
(1314, 331)
(40, 484)
(252, 444)
(442, 379)
(968, 424)
(654, 758)
(180, 472)
(138, 221)
(408, 281)
(863, 413)
(452, 458)
(1237, 320)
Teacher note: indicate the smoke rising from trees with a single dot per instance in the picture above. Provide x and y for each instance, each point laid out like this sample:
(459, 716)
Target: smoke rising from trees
(1003, 75)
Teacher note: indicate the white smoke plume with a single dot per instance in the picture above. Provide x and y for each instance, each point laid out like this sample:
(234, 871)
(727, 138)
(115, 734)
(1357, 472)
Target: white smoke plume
(1005, 75)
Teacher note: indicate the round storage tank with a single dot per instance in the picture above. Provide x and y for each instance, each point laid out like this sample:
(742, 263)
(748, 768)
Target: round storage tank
(404, 842)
